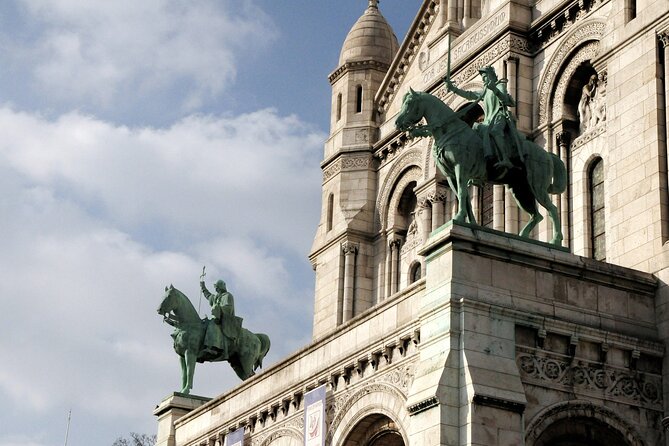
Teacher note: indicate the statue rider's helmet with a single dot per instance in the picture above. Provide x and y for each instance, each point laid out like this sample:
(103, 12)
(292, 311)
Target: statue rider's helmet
(489, 72)
(220, 286)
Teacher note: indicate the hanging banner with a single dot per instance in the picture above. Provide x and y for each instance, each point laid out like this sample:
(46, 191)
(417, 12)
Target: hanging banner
(235, 438)
(314, 417)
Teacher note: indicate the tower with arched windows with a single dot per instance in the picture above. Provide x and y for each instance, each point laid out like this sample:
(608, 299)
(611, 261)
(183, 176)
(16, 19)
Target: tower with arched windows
(427, 332)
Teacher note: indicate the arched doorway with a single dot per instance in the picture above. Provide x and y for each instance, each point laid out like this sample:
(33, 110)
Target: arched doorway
(375, 430)
(580, 431)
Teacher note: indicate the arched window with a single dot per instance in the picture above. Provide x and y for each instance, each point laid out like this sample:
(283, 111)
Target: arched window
(630, 10)
(597, 211)
(338, 106)
(330, 212)
(415, 272)
(486, 205)
(358, 99)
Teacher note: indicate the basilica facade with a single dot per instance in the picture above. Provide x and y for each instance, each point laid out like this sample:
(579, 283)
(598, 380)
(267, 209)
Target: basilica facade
(427, 332)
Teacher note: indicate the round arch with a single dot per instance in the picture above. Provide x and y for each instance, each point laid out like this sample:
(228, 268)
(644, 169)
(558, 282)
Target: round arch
(284, 437)
(591, 30)
(561, 415)
(410, 160)
(375, 430)
(374, 400)
(411, 175)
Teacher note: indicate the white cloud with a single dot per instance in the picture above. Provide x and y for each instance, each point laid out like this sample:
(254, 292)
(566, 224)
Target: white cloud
(98, 51)
(82, 270)
(202, 176)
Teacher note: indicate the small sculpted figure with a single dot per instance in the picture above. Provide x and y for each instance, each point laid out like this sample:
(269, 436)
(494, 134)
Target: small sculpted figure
(585, 104)
(501, 140)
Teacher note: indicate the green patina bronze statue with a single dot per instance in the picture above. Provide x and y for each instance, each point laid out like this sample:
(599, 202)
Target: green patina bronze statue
(221, 338)
(493, 151)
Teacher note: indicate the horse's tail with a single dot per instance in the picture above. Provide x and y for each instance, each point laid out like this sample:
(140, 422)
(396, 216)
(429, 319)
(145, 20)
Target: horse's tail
(559, 183)
(264, 348)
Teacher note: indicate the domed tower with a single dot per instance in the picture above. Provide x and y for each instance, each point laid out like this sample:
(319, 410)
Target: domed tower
(342, 251)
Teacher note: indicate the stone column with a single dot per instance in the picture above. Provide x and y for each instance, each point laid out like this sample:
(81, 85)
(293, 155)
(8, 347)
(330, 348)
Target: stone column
(170, 410)
(664, 42)
(467, 14)
(389, 265)
(350, 250)
(424, 214)
(510, 213)
(498, 207)
(437, 200)
(395, 244)
(563, 140)
(511, 73)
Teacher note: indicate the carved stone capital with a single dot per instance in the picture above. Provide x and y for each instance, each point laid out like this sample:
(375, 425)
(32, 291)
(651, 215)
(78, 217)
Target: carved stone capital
(664, 39)
(563, 139)
(438, 195)
(394, 243)
(350, 248)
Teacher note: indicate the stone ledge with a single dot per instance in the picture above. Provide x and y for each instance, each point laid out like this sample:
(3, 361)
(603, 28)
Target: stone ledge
(538, 255)
(513, 406)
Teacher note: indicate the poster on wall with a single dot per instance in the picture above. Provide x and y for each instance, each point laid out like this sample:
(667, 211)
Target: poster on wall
(314, 417)
(235, 438)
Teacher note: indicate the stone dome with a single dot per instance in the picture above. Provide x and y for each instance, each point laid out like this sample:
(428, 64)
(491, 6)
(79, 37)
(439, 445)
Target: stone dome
(371, 38)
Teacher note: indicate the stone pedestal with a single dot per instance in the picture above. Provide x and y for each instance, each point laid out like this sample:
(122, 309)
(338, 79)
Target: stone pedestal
(482, 289)
(170, 410)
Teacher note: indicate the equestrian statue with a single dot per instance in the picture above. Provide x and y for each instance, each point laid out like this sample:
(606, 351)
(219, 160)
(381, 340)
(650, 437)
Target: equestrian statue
(493, 151)
(221, 338)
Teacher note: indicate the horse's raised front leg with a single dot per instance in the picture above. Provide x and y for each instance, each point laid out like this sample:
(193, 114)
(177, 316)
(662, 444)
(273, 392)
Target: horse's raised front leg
(462, 194)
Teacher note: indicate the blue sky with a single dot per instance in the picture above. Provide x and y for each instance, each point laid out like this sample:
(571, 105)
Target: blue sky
(139, 142)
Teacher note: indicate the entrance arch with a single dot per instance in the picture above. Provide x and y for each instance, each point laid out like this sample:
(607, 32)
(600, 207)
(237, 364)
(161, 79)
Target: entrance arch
(375, 430)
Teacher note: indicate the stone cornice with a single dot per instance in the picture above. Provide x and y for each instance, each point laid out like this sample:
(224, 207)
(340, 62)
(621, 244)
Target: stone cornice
(357, 65)
(407, 52)
(553, 24)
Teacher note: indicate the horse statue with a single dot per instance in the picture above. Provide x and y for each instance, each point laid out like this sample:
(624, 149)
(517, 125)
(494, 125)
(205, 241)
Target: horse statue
(458, 152)
(245, 354)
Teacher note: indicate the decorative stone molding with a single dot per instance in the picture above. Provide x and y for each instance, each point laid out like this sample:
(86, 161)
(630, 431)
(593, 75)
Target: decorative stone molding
(589, 136)
(504, 45)
(283, 415)
(561, 21)
(563, 139)
(292, 428)
(410, 159)
(344, 403)
(423, 405)
(635, 388)
(587, 52)
(349, 247)
(346, 163)
(664, 39)
(585, 32)
(392, 148)
(512, 406)
(409, 51)
(413, 174)
(356, 65)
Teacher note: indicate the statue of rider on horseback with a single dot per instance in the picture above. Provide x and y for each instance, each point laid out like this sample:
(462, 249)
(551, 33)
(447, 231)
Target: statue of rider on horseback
(502, 142)
(221, 338)
(225, 326)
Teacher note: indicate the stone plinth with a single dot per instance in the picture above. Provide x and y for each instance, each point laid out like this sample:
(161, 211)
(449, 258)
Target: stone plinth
(482, 289)
(170, 410)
